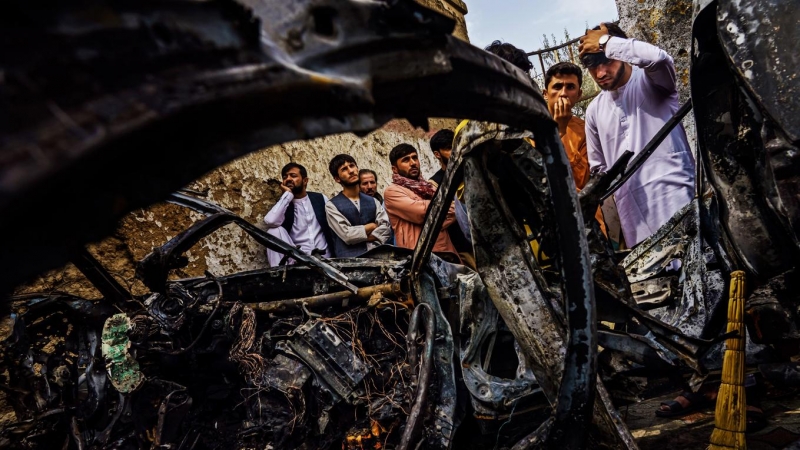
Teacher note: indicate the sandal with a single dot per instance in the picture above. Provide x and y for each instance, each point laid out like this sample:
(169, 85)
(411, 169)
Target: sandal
(675, 409)
(756, 420)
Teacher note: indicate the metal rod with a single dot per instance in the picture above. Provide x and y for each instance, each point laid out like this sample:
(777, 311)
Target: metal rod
(541, 63)
(650, 147)
(423, 381)
(394, 289)
(559, 46)
(555, 47)
(91, 268)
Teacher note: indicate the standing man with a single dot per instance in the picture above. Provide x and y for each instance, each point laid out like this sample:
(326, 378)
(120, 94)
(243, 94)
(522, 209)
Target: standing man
(368, 182)
(639, 96)
(358, 221)
(562, 90)
(299, 216)
(407, 200)
(442, 146)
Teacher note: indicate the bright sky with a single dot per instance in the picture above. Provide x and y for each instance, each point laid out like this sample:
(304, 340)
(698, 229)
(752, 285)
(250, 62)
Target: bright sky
(522, 22)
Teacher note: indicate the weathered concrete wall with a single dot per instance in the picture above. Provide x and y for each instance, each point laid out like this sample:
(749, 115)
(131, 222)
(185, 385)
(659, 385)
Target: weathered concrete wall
(248, 187)
(667, 24)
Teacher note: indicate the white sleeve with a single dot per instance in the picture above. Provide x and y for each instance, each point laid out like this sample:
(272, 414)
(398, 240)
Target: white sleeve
(658, 66)
(594, 150)
(277, 214)
(384, 230)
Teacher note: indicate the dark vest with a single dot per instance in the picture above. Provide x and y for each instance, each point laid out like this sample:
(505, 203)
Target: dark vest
(318, 205)
(355, 217)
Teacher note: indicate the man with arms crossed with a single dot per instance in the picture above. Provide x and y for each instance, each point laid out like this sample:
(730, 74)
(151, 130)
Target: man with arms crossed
(358, 222)
(299, 216)
(639, 96)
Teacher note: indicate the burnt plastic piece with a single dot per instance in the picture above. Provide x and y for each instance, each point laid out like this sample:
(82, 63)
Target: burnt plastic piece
(330, 358)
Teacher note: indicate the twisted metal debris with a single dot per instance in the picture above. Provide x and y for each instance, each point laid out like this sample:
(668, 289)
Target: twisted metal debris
(325, 354)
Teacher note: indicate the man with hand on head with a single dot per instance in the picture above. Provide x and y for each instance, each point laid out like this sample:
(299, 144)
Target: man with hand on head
(358, 222)
(299, 216)
(639, 95)
(407, 200)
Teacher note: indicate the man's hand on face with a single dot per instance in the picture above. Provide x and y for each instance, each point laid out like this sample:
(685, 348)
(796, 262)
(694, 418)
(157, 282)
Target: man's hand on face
(286, 188)
(589, 43)
(562, 113)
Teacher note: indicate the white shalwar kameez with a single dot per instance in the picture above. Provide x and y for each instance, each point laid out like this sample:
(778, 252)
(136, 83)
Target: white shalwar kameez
(626, 119)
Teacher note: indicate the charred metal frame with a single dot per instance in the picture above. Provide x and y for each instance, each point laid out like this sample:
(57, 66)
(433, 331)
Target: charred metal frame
(290, 59)
(269, 75)
(202, 83)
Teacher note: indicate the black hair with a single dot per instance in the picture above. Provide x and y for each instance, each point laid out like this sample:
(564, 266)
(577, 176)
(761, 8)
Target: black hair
(613, 29)
(590, 60)
(338, 161)
(400, 151)
(290, 166)
(511, 54)
(442, 140)
(563, 68)
(366, 171)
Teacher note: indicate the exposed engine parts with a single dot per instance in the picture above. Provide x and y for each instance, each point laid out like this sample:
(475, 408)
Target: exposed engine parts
(396, 348)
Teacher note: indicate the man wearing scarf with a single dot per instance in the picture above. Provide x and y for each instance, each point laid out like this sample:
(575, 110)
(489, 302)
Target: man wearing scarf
(407, 199)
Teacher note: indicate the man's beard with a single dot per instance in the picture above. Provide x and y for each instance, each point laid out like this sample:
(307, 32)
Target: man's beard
(408, 175)
(297, 189)
(617, 78)
(349, 183)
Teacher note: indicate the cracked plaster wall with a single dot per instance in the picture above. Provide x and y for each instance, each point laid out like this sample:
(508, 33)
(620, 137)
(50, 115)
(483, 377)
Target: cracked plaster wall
(249, 187)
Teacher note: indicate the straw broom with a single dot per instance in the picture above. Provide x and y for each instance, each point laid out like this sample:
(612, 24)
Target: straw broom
(730, 417)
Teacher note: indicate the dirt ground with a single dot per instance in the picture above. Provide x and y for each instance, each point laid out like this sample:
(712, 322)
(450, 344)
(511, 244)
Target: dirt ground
(694, 430)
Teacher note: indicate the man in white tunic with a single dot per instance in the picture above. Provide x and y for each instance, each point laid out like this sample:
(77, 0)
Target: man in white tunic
(639, 96)
(299, 216)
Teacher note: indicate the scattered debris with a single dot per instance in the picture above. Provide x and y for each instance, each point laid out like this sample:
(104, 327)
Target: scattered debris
(394, 349)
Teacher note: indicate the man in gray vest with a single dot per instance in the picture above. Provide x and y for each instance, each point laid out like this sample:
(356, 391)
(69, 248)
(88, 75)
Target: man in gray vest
(357, 221)
(299, 216)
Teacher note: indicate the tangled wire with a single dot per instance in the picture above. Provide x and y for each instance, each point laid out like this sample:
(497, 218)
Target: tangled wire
(243, 352)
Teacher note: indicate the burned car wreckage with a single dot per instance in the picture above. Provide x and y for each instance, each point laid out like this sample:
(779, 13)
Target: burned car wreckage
(396, 348)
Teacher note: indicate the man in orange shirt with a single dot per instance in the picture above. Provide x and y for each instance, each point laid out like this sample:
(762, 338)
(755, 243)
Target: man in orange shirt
(407, 199)
(562, 91)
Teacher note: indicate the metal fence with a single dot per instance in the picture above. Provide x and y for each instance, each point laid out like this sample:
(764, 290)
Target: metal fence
(566, 51)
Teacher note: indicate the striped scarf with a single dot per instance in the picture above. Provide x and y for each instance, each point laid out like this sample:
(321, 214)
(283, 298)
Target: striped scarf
(420, 187)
